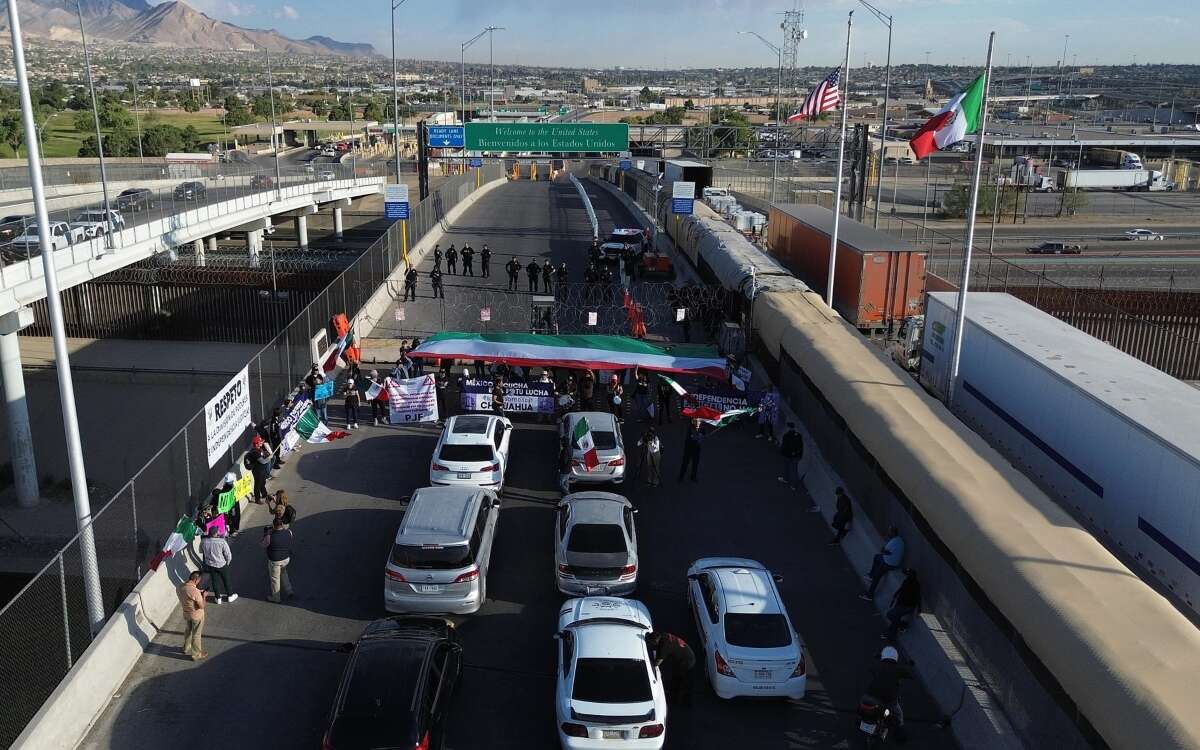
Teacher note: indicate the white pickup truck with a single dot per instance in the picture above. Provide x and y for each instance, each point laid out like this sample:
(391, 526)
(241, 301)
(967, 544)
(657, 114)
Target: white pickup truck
(62, 235)
(95, 223)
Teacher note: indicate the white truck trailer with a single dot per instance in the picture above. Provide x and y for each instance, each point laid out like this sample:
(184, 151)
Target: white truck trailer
(1114, 179)
(1109, 437)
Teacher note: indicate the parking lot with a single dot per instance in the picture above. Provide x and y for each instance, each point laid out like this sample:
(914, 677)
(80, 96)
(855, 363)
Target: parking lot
(272, 670)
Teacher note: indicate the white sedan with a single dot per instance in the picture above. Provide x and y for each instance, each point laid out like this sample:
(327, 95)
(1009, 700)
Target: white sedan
(1142, 234)
(472, 450)
(325, 174)
(750, 647)
(608, 692)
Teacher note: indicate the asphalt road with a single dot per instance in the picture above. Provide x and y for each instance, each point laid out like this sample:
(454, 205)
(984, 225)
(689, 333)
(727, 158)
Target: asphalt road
(272, 669)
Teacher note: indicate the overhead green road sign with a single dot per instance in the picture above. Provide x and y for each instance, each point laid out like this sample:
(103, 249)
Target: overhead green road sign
(544, 136)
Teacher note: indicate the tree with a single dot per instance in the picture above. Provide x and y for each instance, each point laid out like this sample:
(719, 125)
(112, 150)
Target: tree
(83, 122)
(239, 116)
(339, 111)
(116, 143)
(191, 105)
(12, 132)
(231, 102)
(373, 111)
(261, 106)
(113, 116)
(689, 104)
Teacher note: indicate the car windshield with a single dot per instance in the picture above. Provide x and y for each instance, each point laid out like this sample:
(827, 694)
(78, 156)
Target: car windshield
(596, 537)
(611, 681)
(604, 440)
(466, 453)
(384, 678)
(431, 556)
(757, 630)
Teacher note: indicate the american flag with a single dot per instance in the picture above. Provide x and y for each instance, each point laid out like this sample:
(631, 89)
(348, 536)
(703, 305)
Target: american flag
(821, 99)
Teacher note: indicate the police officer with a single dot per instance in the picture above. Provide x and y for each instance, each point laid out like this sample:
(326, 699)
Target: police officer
(452, 261)
(410, 284)
(561, 276)
(514, 269)
(594, 251)
(437, 256)
(468, 259)
(485, 258)
(435, 278)
(547, 277)
(532, 271)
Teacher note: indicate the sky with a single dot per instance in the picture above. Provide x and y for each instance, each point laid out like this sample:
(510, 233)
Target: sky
(702, 33)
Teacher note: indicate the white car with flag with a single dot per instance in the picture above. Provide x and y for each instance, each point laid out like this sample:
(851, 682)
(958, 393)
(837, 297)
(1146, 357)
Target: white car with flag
(597, 448)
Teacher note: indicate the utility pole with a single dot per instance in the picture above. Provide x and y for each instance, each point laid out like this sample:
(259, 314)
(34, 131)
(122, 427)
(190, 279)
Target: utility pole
(395, 92)
(274, 124)
(886, 20)
(779, 84)
(87, 63)
(837, 199)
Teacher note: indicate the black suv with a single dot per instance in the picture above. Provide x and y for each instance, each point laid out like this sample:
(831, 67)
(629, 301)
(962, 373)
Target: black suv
(135, 199)
(189, 191)
(396, 689)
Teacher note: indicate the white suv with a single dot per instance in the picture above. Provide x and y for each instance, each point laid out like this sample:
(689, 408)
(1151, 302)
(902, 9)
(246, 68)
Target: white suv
(750, 648)
(608, 692)
(473, 451)
(97, 222)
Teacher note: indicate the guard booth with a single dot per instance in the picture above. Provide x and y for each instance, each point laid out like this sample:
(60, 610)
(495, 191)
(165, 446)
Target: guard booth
(543, 315)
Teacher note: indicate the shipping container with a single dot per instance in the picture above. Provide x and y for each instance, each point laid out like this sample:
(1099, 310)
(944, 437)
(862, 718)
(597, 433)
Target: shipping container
(879, 279)
(1112, 439)
(675, 170)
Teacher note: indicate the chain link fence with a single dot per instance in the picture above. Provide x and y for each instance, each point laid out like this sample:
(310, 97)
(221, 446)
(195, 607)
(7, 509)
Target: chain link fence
(44, 628)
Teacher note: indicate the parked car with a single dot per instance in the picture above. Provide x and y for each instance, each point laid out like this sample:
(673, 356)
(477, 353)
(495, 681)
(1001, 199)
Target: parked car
(750, 647)
(1142, 234)
(96, 222)
(627, 239)
(191, 190)
(608, 692)
(397, 686)
(62, 235)
(13, 226)
(262, 182)
(135, 199)
(1055, 248)
(595, 545)
(326, 174)
(440, 558)
(472, 450)
(610, 448)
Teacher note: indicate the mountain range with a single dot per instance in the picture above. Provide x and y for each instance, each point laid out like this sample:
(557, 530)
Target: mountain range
(170, 24)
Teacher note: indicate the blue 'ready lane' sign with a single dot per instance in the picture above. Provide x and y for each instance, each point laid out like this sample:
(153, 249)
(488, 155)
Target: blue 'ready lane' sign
(446, 136)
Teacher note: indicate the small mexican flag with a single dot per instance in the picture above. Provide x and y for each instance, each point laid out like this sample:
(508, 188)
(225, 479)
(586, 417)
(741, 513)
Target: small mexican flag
(675, 386)
(314, 430)
(583, 439)
(182, 536)
(711, 416)
(958, 119)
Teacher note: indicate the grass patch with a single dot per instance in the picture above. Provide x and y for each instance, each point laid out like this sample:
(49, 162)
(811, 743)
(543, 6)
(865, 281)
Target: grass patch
(60, 138)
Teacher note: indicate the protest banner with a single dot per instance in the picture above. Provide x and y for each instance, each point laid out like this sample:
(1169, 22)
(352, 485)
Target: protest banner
(413, 400)
(226, 415)
(323, 391)
(530, 398)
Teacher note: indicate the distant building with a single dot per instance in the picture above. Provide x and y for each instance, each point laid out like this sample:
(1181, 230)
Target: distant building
(721, 101)
(591, 85)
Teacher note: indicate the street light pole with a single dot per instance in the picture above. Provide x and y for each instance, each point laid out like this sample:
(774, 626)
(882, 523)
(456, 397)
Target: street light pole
(779, 84)
(887, 90)
(395, 92)
(463, 50)
(93, 596)
(274, 125)
(87, 63)
(138, 120)
(837, 194)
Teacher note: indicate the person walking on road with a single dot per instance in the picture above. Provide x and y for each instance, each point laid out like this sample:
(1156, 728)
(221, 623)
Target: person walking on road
(191, 600)
(485, 261)
(641, 396)
(532, 270)
(843, 515)
(278, 540)
(352, 402)
(587, 390)
(514, 271)
(215, 557)
(663, 404)
(452, 261)
(691, 449)
(675, 660)
(435, 280)
(792, 448)
(468, 259)
(768, 414)
(547, 277)
(906, 603)
(410, 284)
(887, 559)
(258, 461)
(437, 256)
(651, 458)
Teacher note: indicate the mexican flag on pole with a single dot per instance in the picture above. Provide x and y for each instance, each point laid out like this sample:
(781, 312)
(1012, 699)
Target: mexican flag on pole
(674, 386)
(958, 119)
(185, 531)
(314, 430)
(711, 416)
(583, 439)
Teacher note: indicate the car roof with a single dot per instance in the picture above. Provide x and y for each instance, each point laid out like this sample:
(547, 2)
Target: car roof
(470, 424)
(585, 613)
(596, 419)
(596, 507)
(439, 515)
(747, 590)
(626, 231)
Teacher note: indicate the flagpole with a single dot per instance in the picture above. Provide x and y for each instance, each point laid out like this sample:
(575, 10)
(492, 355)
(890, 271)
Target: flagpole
(964, 278)
(837, 193)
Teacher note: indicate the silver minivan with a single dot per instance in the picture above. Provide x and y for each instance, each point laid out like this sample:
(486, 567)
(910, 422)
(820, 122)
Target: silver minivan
(439, 560)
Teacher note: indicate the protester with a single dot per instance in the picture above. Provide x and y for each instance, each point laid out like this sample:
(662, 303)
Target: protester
(532, 271)
(258, 461)
(215, 558)
(191, 600)
(641, 396)
(887, 559)
(278, 540)
(410, 284)
(441, 385)
(485, 261)
(498, 393)
(280, 508)
(352, 401)
(674, 657)
(378, 407)
(435, 281)
(320, 405)
(663, 405)
(587, 390)
(843, 515)
(514, 270)
(651, 457)
(566, 455)
(452, 261)
(468, 259)
(768, 414)
(615, 392)
(792, 448)
(906, 602)
(691, 449)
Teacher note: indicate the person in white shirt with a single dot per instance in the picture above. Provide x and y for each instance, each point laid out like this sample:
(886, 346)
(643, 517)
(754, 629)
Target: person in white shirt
(651, 458)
